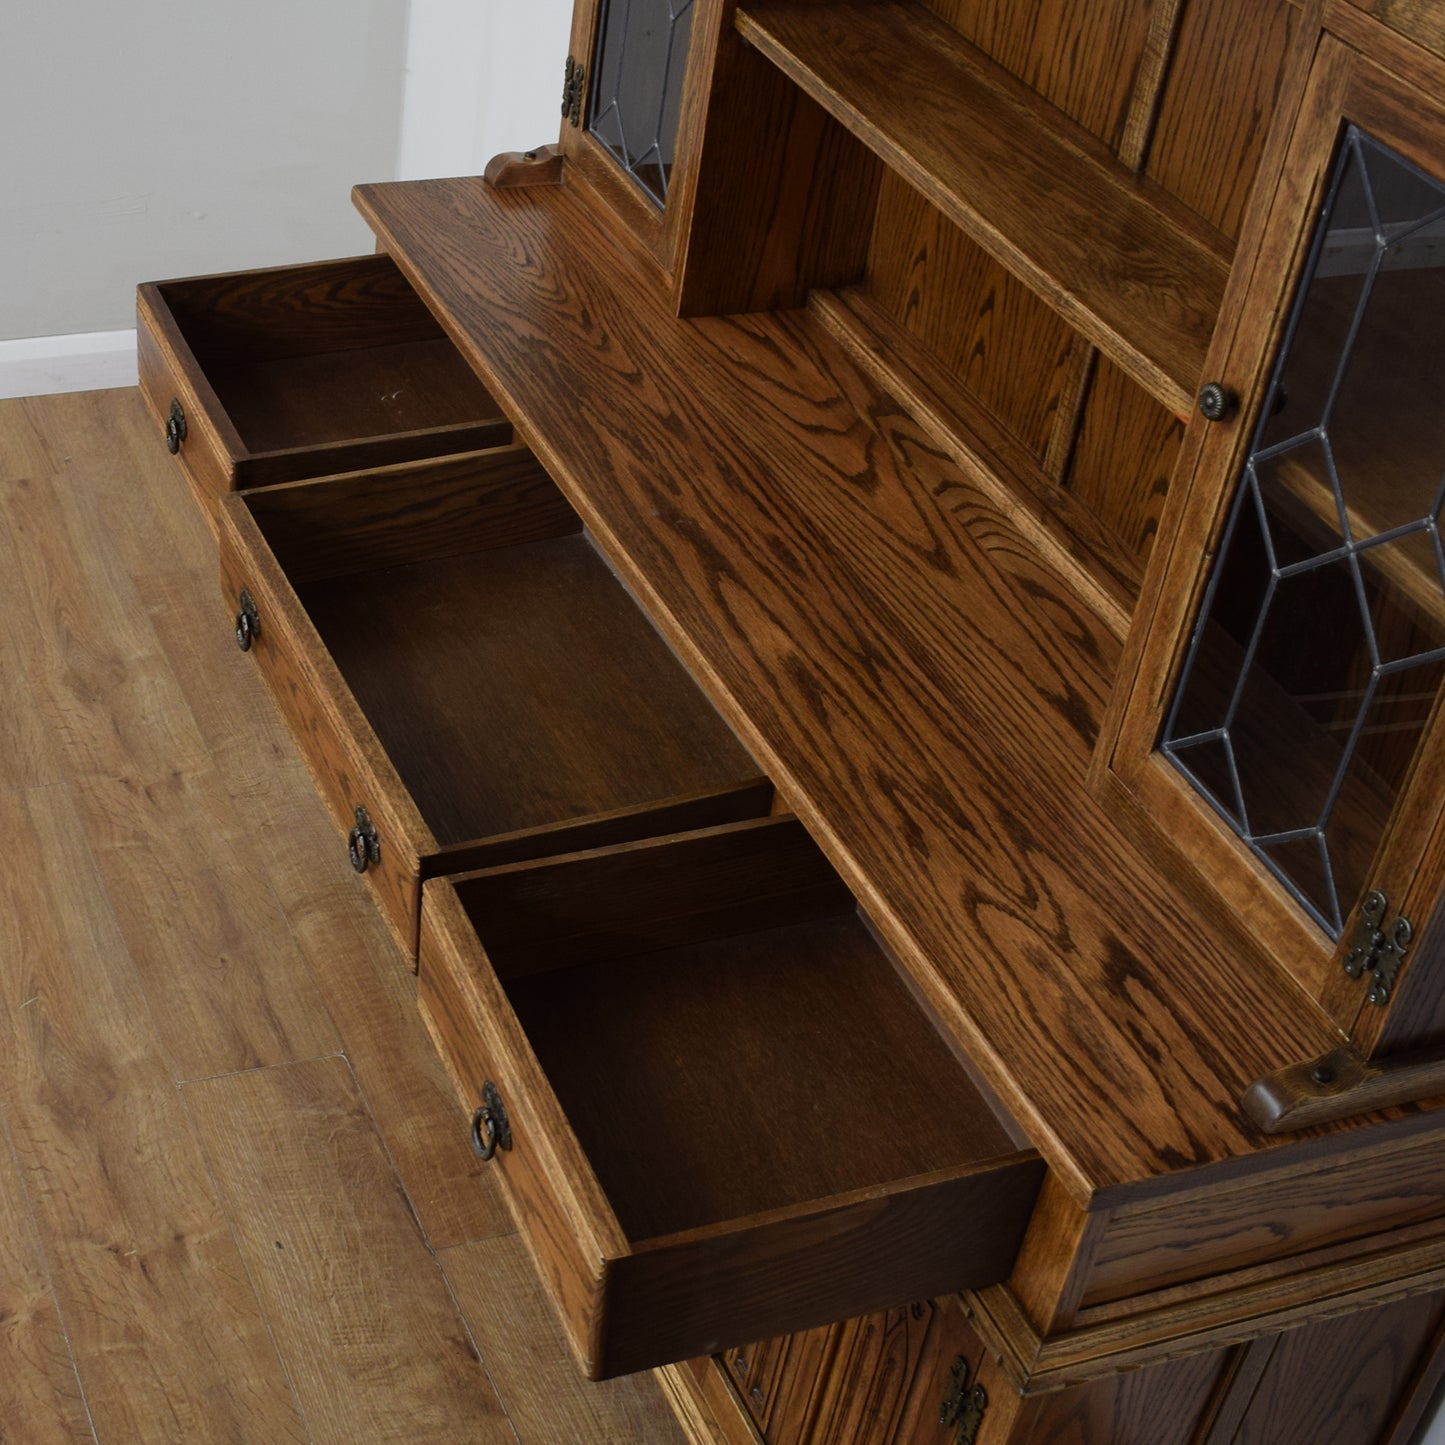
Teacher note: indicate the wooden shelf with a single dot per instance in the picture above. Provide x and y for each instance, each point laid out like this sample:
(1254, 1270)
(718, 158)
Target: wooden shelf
(1124, 263)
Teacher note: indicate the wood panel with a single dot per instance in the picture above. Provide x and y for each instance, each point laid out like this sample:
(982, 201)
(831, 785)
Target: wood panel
(986, 329)
(526, 1356)
(168, 1337)
(870, 1377)
(1224, 83)
(1162, 1405)
(358, 1307)
(1084, 58)
(1339, 1381)
(780, 1380)
(1138, 275)
(1364, 1191)
(1123, 458)
(783, 192)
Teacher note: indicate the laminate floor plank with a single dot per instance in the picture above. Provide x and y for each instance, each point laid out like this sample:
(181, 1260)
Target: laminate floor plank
(108, 451)
(526, 1353)
(28, 758)
(369, 987)
(40, 1395)
(167, 1334)
(361, 1311)
(107, 696)
(228, 984)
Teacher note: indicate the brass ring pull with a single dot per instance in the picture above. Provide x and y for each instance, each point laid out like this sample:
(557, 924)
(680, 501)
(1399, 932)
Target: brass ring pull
(175, 428)
(248, 622)
(491, 1129)
(363, 845)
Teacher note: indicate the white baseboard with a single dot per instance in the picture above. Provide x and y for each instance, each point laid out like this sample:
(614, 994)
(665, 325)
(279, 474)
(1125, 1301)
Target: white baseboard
(94, 361)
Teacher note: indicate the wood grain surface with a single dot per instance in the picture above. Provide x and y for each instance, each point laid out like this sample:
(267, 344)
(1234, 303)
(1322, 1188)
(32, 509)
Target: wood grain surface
(370, 993)
(1137, 275)
(329, 1239)
(777, 522)
(169, 1340)
(527, 1357)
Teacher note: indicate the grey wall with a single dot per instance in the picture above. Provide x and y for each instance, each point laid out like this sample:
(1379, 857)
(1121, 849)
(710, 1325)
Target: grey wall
(148, 139)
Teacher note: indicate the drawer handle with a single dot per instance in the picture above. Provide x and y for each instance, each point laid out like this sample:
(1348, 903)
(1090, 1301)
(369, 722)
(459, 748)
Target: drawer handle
(491, 1129)
(175, 428)
(248, 622)
(363, 846)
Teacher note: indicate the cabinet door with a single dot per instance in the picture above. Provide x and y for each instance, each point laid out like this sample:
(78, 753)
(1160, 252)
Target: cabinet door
(1285, 722)
(627, 107)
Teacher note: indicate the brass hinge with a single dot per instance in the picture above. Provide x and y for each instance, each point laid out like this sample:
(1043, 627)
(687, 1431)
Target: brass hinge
(1378, 949)
(961, 1406)
(572, 78)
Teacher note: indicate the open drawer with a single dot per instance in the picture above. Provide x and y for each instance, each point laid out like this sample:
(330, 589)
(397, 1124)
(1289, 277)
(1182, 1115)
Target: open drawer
(719, 1112)
(259, 377)
(468, 680)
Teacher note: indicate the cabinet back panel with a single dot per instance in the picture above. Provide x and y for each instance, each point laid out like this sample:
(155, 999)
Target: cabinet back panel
(1083, 58)
(518, 687)
(750, 1073)
(1123, 457)
(1218, 101)
(994, 335)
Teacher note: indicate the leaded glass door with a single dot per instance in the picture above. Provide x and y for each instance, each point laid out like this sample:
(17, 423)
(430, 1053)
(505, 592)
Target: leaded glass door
(1314, 669)
(626, 110)
(1287, 719)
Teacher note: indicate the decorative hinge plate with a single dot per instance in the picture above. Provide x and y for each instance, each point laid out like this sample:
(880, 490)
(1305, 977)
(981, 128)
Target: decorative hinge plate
(1378, 948)
(572, 80)
(962, 1408)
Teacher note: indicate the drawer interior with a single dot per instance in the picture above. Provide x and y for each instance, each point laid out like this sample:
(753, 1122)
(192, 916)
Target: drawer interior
(309, 356)
(780, 1131)
(507, 674)
(736, 1075)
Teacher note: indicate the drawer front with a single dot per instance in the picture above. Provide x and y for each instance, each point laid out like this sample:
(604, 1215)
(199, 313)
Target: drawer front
(651, 1295)
(567, 1224)
(315, 713)
(169, 376)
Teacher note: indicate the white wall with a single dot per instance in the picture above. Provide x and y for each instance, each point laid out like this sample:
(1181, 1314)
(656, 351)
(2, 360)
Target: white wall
(483, 76)
(153, 139)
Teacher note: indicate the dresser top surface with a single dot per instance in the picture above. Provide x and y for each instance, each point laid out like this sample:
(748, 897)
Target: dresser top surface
(923, 689)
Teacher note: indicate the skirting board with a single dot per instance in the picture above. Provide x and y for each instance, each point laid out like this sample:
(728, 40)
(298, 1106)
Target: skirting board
(93, 361)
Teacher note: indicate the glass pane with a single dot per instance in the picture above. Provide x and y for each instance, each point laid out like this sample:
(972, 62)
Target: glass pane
(1319, 652)
(1326, 312)
(637, 86)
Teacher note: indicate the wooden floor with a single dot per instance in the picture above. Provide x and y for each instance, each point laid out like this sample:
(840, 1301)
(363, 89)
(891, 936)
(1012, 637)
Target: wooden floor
(236, 1197)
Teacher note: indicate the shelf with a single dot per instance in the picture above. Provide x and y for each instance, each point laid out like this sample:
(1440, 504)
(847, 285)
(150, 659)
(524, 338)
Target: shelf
(1118, 258)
